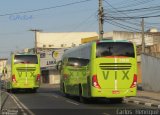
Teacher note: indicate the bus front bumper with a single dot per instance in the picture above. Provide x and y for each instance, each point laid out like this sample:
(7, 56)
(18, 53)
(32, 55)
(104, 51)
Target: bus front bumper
(24, 85)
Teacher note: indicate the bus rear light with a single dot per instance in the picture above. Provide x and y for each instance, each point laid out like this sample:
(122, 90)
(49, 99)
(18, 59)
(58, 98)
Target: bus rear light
(14, 78)
(95, 82)
(38, 77)
(134, 83)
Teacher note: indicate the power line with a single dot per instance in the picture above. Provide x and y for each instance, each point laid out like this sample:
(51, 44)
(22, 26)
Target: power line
(122, 25)
(152, 23)
(124, 21)
(150, 13)
(118, 12)
(84, 21)
(139, 9)
(129, 18)
(138, 3)
(41, 9)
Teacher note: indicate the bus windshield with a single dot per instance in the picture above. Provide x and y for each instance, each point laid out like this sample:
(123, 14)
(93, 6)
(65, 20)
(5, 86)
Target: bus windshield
(29, 59)
(77, 62)
(115, 49)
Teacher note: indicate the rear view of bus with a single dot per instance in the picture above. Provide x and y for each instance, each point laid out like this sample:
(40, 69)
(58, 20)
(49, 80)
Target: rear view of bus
(25, 72)
(114, 69)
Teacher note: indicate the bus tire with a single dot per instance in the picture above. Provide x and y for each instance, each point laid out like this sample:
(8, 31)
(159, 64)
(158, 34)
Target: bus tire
(116, 100)
(81, 98)
(34, 90)
(8, 90)
(13, 90)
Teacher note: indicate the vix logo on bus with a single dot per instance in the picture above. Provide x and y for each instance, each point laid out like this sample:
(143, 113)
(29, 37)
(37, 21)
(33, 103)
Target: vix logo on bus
(106, 74)
(26, 74)
(77, 73)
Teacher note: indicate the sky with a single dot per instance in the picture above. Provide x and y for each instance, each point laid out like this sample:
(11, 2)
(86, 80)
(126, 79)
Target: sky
(80, 17)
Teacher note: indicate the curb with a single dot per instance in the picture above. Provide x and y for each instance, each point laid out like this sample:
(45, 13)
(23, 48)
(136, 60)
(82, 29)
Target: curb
(142, 103)
(4, 99)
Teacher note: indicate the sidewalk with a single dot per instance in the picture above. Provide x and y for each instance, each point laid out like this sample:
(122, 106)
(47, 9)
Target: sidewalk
(6, 102)
(146, 98)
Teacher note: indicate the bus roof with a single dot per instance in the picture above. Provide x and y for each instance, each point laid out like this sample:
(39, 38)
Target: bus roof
(24, 54)
(109, 40)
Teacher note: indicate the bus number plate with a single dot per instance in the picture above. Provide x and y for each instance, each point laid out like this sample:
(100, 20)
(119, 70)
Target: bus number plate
(115, 92)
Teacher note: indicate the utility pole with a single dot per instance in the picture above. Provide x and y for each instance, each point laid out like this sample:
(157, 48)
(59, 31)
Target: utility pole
(35, 46)
(143, 40)
(100, 15)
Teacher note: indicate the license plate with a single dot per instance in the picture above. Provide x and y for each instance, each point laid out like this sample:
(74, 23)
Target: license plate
(115, 92)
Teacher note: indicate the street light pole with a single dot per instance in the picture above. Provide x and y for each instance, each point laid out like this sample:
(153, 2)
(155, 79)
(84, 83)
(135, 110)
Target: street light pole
(35, 45)
(143, 39)
(100, 14)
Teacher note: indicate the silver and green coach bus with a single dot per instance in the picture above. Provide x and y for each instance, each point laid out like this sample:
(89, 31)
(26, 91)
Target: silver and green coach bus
(100, 69)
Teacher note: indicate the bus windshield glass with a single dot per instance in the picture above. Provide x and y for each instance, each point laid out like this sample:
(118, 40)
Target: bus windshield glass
(105, 49)
(27, 59)
(77, 62)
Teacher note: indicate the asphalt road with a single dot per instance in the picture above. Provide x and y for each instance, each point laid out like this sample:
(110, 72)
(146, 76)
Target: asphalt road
(50, 101)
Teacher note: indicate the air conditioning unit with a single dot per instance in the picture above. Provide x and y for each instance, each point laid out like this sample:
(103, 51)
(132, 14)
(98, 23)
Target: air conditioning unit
(51, 45)
(44, 46)
(62, 45)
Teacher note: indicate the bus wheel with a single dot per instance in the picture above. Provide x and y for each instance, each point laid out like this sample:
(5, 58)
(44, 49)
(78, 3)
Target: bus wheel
(81, 98)
(116, 100)
(8, 90)
(33, 90)
(13, 90)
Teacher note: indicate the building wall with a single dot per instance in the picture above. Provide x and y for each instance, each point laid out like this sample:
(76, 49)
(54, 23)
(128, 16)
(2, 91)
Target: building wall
(135, 37)
(108, 35)
(57, 40)
(150, 73)
(3, 63)
(54, 77)
(155, 50)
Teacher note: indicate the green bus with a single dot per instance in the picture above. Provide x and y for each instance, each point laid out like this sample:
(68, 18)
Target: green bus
(23, 72)
(100, 69)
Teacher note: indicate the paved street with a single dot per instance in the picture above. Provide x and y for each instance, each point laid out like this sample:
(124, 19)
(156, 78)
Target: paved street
(93, 48)
(49, 100)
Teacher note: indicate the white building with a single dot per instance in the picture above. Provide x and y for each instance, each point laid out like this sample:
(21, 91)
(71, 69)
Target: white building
(2, 65)
(135, 37)
(61, 40)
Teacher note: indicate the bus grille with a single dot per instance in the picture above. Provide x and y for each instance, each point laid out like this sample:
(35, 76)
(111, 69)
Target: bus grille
(26, 69)
(115, 66)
